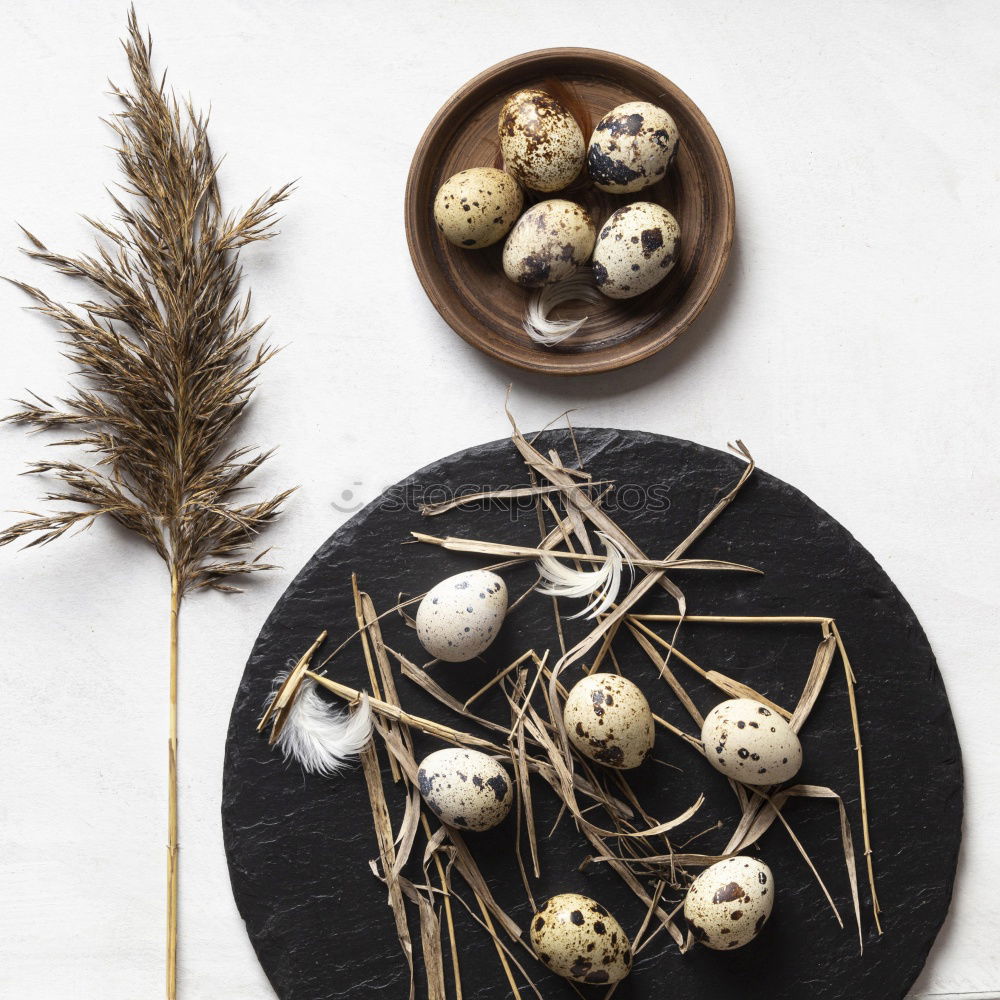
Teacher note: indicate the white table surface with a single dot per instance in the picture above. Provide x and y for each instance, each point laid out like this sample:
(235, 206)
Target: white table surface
(853, 345)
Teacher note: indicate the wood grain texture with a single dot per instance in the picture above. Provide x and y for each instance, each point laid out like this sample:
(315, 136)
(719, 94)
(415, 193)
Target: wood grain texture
(468, 288)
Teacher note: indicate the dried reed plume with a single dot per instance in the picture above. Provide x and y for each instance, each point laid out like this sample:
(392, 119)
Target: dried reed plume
(168, 357)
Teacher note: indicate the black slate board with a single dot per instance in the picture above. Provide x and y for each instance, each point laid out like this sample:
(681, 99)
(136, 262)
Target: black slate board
(298, 846)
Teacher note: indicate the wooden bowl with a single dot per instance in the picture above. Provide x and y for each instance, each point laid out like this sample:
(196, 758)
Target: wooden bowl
(468, 287)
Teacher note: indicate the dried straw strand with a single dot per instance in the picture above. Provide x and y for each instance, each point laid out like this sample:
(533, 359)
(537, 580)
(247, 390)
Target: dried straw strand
(856, 725)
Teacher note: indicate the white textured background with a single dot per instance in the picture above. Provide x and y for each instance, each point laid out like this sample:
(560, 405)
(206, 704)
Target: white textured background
(853, 345)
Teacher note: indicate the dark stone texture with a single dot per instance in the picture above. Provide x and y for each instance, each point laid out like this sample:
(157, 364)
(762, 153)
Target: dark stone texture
(298, 846)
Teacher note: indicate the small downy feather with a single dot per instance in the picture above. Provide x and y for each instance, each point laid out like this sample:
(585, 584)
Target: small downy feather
(603, 583)
(321, 738)
(579, 287)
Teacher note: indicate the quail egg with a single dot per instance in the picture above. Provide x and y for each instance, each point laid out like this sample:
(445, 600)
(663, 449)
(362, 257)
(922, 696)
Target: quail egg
(548, 243)
(631, 148)
(459, 617)
(749, 742)
(728, 904)
(465, 788)
(635, 250)
(609, 720)
(541, 142)
(578, 939)
(476, 207)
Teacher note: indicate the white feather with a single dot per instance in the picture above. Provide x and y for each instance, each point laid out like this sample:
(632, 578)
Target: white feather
(578, 287)
(323, 739)
(603, 583)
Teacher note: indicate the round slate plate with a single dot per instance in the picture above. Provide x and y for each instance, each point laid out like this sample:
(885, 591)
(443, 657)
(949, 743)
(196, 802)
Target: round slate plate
(298, 846)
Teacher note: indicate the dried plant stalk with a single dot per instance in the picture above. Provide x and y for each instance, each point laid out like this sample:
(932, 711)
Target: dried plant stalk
(856, 724)
(387, 851)
(443, 506)
(734, 688)
(396, 714)
(430, 937)
(529, 552)
(168, 358)
(449, 916)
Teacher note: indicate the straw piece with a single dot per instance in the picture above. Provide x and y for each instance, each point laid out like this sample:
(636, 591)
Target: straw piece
(524, 811)
(285, 695)
(372, 675)
(430, 946)
(387, 852)
(814, 682)
(486, 548)
(732, 687)
(856, 724)
(395, 714)
(668, 675)
(442, 507)
(449, 916)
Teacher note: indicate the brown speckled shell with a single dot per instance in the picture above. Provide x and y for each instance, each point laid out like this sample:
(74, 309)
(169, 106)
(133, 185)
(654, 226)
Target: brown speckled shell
(751, 743)
(465, 788)
(550, 241)
(728, 904)
(459, 617)
(636, 249)
(632, 147)
(609, 720)
(541, 142)
(475, 208)
(578, 939)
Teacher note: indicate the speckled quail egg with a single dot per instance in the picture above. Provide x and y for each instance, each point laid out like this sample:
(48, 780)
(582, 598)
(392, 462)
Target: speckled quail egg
(541, 142)
(465, 788)
(578, 939)
(749, 742)
(476, 207)
(609, 720)
(728, 904)
(550, 241)
(459, 617)
(631, 148)
(635, 250)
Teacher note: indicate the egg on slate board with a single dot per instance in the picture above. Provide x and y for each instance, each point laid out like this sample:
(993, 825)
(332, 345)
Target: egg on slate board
(459, 617)
(476, 207)
(728, 904)
(465, 788)
(548, 243)
(541, 142)
(578, 939)
(749, 742)
(635, 250)
(609, 720)
(631, 148)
